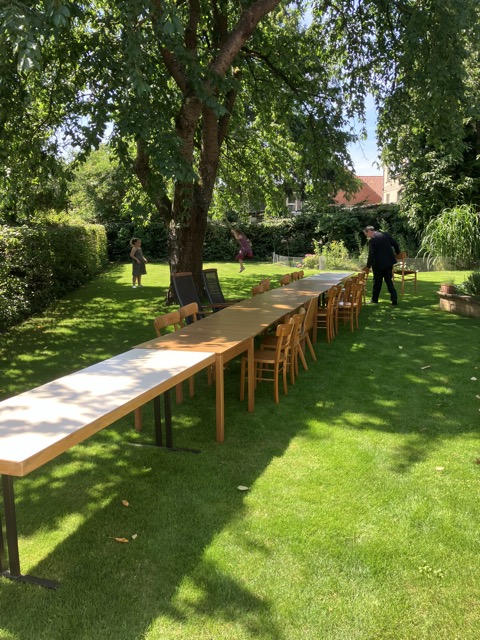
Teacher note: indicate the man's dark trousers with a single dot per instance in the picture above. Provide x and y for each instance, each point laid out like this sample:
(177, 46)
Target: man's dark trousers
(378, 278)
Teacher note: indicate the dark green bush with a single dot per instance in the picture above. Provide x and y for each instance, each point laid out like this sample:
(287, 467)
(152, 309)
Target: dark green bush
(41, 263)
(293, 236)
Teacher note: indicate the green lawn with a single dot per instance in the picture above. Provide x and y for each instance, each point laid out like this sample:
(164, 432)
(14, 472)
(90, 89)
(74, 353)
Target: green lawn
(362, 516)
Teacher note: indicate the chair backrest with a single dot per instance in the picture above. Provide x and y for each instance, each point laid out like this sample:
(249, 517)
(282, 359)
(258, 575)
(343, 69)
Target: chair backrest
(297, 320)
(212, 286)
(310, 312)
(286, 279)
(333, 296)
(171, 319)
(266, 283)
(189, 313)
(356, 293)
(284, 333)
(402, 257)
(295, 276)
(259, 288)
(185, 289)
(301, 274)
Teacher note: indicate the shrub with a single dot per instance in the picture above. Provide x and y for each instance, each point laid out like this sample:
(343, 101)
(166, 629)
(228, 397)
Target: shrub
(41, 263)
(453, 235)
(471, 286)
(310, 261)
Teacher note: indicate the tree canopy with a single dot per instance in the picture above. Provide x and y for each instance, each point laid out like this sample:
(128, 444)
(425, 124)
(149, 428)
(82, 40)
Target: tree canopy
(244, 100)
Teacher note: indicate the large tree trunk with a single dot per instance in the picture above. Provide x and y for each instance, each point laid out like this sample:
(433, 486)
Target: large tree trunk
(186, 234)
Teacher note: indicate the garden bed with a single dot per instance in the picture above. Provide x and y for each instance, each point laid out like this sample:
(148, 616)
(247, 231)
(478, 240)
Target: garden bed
(463, 305)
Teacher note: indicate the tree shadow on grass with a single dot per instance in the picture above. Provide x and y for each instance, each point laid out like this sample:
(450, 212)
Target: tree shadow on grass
(180, 503)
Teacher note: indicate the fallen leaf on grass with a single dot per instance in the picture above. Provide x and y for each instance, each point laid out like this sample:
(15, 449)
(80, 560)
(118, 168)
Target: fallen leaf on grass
(439, 468)
(125, 503)
(242, 488)
(134, 536)
(477, 460)
(427, 366)
(121, 539)
(400, 347)
(473, 378)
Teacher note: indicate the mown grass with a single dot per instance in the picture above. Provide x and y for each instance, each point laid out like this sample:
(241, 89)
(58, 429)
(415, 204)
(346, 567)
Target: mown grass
(361, 518)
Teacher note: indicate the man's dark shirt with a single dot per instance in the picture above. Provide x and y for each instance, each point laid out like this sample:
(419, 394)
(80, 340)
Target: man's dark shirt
(380, 254)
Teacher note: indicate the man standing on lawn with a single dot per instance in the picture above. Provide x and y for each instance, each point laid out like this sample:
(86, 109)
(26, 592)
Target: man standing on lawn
(381, 259)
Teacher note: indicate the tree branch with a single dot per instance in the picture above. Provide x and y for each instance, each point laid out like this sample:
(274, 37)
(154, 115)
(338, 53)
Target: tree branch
(240, 34)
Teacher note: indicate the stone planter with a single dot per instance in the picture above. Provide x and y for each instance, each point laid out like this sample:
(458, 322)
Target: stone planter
(463, 305)
(447, 288)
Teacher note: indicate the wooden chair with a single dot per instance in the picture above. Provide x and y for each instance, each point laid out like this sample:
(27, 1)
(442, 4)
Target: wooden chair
(362, 278)
(349, 307)
(266, 283)
(189, 313)
(342, 311)
(327, 316)
(161, 323)
(405, 273)
(296, 351)
(166, 320)
(273, 362)
(308, 326)
(214, 290)
(286, 279)
(257, 289)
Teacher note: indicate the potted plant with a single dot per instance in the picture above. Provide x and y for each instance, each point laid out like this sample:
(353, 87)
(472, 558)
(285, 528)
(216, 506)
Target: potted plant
(447, 287)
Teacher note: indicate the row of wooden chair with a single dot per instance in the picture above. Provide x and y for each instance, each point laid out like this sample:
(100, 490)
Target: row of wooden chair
(281, 353)
(264, 285)
(291, 277)
(344, 303)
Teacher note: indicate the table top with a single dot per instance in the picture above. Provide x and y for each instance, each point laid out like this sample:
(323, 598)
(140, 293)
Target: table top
(39, 424)
(225, 329)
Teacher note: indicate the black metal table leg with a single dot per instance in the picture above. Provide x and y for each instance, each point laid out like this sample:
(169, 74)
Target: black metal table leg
(12, 539)
(167, 405)
(157, 417)
(3, 560)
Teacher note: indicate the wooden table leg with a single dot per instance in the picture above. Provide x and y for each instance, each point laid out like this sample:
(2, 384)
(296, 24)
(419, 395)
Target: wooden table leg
(251, 375)
(138, 419)
(220, 398)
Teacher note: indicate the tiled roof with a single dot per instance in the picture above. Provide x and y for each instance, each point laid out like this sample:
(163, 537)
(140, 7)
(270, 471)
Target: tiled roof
(370, 192)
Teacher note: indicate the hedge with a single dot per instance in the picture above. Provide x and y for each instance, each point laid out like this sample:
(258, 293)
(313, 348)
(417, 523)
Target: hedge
(42, 263)
(292, 236)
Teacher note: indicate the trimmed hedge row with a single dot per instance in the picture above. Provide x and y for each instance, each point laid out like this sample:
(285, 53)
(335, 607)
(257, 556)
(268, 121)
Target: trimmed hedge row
(40, 264)
(292, 236)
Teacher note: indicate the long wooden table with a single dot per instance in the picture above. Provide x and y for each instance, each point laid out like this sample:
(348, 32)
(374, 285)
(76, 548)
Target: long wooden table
(39, 425)
(231, 332)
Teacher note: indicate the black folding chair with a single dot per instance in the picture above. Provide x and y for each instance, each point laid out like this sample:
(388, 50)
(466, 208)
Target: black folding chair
(214, 290)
